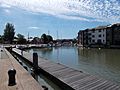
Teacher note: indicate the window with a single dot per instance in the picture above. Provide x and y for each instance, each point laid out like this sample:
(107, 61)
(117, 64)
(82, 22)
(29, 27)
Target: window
(100, 35)
(93, 40)
(89, 34)
(93, 30)
(89, 38)
(93, 35)
(99, 41)
(103, 35)
(103, 40)
(100, 30)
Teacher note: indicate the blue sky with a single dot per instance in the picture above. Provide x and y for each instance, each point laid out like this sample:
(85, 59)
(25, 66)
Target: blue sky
(66, 17)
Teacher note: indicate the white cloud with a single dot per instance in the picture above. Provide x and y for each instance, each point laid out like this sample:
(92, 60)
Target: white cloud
(7, 11)
(3, 5)
(99, 10)
(33, 27)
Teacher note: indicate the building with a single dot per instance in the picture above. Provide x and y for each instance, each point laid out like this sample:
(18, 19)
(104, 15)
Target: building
(100, 36)
(113, 34)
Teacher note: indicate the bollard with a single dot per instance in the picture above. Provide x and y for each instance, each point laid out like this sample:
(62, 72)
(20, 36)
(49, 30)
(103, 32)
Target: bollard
(1, 50)
(35, 61)
(11, 74)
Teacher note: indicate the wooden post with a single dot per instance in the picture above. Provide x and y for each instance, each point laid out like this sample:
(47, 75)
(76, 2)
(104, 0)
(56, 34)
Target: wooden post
(35, 61)
(11, 74)
(10, 49)
(22, 52)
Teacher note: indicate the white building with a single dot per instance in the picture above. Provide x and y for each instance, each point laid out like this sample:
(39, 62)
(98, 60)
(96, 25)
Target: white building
(105, 36)
(93, 36)
(97, 35)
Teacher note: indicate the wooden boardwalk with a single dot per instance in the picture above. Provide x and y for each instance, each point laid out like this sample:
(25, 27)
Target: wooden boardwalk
(24, 81)
(75, 79)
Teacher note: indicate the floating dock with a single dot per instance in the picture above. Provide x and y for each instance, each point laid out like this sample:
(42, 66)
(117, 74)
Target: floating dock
(24, 81)
(70, 78)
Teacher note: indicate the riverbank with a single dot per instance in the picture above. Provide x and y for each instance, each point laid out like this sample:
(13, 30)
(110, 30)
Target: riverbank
(100, 46)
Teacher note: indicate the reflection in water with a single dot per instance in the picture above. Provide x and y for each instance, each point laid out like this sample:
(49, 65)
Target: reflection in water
(104, 62)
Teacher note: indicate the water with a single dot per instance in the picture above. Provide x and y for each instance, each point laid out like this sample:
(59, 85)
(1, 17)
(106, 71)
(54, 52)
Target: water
(104, 62)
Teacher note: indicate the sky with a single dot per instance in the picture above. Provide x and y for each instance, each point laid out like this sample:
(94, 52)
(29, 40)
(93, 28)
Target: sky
(65, 17)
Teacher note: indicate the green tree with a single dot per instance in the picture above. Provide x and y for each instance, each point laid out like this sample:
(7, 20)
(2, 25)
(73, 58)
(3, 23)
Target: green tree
(21, 39)
(46, 38)
(36, 40)
(1, 38)
(74, 40)
(49, 38)
(9, 33)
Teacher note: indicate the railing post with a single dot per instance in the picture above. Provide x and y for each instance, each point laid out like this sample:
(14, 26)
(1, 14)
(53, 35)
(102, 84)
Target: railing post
(35, 61)
(11, 74)
(22, 52)
(45, 88)
(10, 49)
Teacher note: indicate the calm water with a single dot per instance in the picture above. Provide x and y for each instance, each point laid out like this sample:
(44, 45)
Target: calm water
(104, 62)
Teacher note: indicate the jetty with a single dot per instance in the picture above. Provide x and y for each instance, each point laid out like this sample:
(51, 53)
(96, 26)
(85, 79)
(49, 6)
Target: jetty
(23, 80)
(68, 78)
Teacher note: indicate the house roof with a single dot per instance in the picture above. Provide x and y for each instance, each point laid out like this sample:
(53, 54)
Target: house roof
(101, 27)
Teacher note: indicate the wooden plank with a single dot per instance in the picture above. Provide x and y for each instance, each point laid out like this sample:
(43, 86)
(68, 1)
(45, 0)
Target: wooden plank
(75, 77)
(23, 78)
(83, 81)
(69, 75)
(55, 68)
(114, 87)
(105, 85)
(5, 65)
(47, 64)
(65, 73)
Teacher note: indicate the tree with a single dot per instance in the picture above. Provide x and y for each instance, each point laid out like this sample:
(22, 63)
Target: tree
(36, 40)
(46, 38)
(49, 38)
(9, 33)
(21, 39)
(1, 38)
(74, 40)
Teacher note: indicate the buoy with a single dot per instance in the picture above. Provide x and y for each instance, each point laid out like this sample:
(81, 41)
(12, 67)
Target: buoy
(99, 48)
(88, 47)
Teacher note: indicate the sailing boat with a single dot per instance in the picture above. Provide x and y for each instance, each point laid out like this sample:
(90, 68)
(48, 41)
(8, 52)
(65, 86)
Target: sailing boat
(58, 44)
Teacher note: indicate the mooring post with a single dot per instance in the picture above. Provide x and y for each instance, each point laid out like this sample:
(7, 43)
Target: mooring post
(35, 61)
(12, 80)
